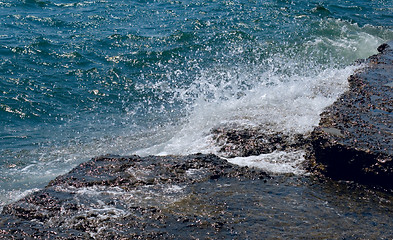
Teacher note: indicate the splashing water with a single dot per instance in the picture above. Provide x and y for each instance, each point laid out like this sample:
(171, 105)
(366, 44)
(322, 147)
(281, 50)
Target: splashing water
(80, 80)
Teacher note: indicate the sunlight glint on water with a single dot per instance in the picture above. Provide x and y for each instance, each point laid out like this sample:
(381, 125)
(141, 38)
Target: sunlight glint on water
(79, 80)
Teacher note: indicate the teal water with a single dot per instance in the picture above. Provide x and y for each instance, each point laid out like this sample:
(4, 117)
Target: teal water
(80, 79)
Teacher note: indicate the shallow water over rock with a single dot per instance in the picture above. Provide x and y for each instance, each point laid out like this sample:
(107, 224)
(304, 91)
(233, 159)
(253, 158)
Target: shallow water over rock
(196, 196)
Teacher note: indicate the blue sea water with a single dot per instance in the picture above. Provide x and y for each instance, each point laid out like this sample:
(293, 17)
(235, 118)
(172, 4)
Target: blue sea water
(80, 79)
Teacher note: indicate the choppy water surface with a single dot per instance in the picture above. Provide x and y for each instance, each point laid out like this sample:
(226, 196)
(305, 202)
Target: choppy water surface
(81, 79)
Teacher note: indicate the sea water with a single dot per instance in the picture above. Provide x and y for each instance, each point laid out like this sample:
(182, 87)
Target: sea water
(79, 79)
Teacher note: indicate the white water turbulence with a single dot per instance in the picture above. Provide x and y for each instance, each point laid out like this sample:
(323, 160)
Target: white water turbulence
(284, 93)
(278, 103)
(278, 162)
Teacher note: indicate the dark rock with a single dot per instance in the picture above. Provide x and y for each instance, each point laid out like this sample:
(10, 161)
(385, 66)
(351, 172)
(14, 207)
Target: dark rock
(244, 142)
(354, 140)
(13, 227)
(133, 198)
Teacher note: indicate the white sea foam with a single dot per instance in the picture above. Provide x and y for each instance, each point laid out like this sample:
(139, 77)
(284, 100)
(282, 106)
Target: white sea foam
(286, 92)
(284, 105)
(159, 194)
(282, 94)
(278, 162)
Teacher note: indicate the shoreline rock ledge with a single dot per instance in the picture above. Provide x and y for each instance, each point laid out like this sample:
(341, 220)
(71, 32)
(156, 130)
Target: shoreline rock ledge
(354, 139)
(153, 197)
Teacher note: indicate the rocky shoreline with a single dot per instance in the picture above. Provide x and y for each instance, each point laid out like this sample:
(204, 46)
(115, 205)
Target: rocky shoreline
(204, 196)
(114, 197)
(354, 139)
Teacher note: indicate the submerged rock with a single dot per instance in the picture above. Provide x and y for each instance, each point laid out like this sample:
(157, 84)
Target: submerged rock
(354, 140)
(134, 198)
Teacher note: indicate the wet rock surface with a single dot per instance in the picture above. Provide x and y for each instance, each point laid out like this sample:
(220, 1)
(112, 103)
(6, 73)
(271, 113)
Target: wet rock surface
(135, 198)
(194, 197)
(354, 140)
(244, 142)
